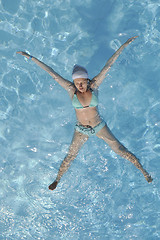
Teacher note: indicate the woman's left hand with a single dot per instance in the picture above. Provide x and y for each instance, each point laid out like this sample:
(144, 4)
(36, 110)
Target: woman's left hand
(131, 40)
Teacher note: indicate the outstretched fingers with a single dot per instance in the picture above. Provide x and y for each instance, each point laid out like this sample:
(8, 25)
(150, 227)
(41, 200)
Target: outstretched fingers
(131, 39)
(23, 54)
(20, 52)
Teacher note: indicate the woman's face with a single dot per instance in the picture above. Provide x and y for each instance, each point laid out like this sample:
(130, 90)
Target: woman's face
(81, 84)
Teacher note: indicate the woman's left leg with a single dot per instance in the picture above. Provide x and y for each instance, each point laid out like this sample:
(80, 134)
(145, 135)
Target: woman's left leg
(118, 148)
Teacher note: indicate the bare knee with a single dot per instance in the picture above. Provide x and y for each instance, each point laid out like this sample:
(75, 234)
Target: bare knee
(119, 149)
(122, 149)
(70, 157)
(123, 152)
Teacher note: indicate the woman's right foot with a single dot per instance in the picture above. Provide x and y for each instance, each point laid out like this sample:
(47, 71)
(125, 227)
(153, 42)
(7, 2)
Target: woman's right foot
(53, 185)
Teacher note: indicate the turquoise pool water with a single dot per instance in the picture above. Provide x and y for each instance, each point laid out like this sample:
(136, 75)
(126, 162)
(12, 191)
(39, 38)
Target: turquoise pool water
(102, 196)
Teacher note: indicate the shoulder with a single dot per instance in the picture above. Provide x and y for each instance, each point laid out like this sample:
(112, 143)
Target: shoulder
(71, 90)
(93, 84)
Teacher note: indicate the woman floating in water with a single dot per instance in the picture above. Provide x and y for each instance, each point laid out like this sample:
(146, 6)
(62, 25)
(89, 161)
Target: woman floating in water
(83, 93)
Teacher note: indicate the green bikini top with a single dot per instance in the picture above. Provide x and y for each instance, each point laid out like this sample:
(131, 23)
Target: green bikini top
(76, 103)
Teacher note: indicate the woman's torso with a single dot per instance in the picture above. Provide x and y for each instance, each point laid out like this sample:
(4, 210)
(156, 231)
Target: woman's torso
(85, 105)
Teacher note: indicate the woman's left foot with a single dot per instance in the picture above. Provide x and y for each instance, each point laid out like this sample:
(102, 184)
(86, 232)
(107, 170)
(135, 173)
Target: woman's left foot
(148, 178)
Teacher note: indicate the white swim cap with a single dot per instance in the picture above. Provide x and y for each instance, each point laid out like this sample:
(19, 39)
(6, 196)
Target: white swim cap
(79, 72)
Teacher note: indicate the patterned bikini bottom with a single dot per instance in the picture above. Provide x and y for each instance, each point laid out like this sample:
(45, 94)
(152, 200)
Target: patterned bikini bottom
(88, 130)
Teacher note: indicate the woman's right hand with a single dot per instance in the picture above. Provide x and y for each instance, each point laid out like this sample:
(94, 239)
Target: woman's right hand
(24, 54)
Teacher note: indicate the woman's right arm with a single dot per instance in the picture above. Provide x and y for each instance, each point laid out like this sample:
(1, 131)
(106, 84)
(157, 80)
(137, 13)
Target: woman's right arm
(67, 85)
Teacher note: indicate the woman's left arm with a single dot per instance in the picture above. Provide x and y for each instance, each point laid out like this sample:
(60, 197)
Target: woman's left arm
(97, 80)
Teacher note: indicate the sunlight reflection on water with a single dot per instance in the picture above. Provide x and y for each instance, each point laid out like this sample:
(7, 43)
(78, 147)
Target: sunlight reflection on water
(102, 196)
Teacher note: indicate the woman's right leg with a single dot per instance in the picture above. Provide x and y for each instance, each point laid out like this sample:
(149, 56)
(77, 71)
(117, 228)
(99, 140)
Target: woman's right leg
(77, 142)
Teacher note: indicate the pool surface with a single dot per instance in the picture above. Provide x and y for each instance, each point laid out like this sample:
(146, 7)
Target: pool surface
(102, 196)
